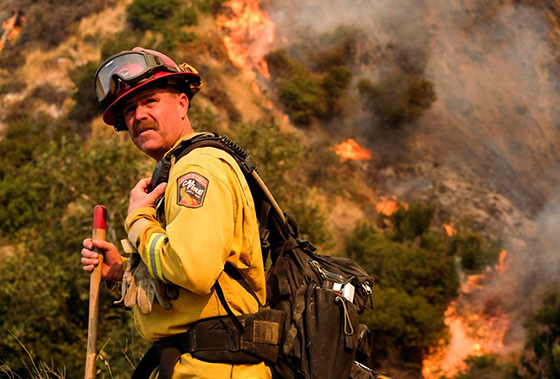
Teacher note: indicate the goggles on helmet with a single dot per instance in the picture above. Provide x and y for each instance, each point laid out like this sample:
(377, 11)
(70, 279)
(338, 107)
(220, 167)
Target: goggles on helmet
(125, 70)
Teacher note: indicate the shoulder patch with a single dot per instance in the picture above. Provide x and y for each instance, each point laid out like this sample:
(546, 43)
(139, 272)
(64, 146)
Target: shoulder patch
(191, 190)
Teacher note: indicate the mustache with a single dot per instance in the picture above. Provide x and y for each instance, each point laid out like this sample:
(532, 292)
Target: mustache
(144, 125)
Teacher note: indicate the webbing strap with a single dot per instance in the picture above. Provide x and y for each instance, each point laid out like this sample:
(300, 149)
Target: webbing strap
(347, 322)
(147, 365)
(263, 221)
(264, 232)
(235, 274)
(169, 358)
(167, 352)
(297, 311)
(230, 313)
(283, 284)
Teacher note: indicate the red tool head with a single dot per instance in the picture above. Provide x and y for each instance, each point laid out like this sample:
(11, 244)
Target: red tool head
(99, 217)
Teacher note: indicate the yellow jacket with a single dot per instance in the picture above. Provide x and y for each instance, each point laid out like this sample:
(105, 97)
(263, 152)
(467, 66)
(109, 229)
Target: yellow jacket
(210, 220)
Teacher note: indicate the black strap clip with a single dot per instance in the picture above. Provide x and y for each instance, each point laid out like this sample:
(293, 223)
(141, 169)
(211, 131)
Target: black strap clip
(191, 340)
(233, 340)
(247, 165)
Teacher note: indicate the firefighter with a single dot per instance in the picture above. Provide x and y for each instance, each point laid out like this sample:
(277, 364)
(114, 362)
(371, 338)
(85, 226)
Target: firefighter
(180, 234)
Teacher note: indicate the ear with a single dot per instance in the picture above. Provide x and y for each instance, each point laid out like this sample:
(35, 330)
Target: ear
(182, 105)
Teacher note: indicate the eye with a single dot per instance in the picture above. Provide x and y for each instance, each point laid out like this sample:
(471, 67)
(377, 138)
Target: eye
(129, 110)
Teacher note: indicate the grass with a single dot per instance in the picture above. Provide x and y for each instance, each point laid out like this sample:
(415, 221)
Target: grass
(36, 370)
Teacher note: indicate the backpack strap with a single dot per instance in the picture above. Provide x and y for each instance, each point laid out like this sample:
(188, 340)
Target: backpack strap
(235, 274)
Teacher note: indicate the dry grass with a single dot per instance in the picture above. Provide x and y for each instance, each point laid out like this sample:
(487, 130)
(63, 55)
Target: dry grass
(35, 370)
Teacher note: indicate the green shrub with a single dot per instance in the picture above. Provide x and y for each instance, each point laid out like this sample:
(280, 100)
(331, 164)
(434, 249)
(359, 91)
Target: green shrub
(58, 188)
(303, 96)
(398, 98)
(412, 222)
(541, 356)
(151, 14)
(413, 288)
(282, 66)
(172, 38)
(334, 49)
(335, 81)
(306, 95)
(202, 119)
(125, 40)
(209, 6)
(186, 17)
(25, 136)
(475, 252)
(302, 93)
(86, 106)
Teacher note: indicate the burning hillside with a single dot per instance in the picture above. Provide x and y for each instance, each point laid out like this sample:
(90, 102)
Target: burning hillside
(459, 150)
(451, 104)
(249, 32)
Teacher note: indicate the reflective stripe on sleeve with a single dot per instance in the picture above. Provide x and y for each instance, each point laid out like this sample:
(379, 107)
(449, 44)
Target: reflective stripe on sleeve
(153, 255)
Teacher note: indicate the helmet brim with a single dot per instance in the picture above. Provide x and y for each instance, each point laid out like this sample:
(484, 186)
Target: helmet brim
(110, 114)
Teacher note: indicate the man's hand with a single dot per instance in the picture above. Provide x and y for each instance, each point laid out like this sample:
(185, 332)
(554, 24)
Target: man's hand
(112, 269)
(140, 197)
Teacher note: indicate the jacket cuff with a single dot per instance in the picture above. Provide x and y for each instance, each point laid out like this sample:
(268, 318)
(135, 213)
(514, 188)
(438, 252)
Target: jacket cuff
(136, 221)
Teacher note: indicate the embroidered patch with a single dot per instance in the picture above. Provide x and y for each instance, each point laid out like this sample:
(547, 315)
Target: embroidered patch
(191, 190)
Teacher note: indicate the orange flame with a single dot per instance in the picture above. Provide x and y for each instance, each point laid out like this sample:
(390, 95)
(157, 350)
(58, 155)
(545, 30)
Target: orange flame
(249, 33)
(11, 27)
(450, 229)
(472, 333)
(473, 282)
(388, 205)
(502, 264)
(350, 150)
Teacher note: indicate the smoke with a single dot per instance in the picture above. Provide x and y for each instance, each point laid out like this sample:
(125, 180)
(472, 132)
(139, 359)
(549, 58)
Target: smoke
(494, 126)
(491, 72)
(537, 262)
(490, 64)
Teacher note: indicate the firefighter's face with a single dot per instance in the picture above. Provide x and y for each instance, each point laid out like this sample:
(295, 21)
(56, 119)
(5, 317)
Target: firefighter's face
(155, 119)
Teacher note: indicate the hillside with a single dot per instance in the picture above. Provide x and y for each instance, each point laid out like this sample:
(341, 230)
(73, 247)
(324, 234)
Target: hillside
(455, 104)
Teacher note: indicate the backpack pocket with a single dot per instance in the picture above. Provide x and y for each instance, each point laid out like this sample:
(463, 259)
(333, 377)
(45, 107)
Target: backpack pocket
(322, 336)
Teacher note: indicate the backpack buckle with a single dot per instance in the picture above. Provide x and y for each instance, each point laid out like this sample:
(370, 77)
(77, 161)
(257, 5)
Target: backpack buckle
(248, 165)
(191, 340)
(233, 340)
(306, 245)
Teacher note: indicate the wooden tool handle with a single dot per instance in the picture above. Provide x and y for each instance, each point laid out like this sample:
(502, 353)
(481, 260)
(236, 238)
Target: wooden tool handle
(98, 233)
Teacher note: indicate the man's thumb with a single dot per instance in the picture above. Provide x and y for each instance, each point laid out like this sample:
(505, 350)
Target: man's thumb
(159, 190)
